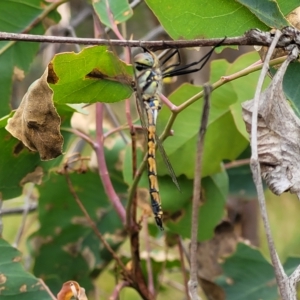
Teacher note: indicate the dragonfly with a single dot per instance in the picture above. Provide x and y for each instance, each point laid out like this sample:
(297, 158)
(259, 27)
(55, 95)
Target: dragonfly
(149, 73)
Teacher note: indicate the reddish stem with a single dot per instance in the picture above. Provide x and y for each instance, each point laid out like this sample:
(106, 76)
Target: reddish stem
(102, 167)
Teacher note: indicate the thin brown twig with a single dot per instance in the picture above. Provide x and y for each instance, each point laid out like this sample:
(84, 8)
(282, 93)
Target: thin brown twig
(154, 45)
(237, 163)
(182, 265)
(255, 168)
(117, 290)
(148, 258)
(92, 223)
(47, 289)
(102, 166)
(193, 282)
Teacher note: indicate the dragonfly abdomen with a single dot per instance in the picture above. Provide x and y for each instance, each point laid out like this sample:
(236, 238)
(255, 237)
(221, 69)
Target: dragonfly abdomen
(152, 106)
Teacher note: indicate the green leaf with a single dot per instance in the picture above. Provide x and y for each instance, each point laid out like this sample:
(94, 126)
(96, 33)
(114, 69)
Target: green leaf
(65, 246)
(89, 76)
(244, 87)
(11, 20)
(3, 120)
(221, 131)
(287, 6)
(214, 191)
(291, 87)
(198, 19)
(15, 282)
(120, 10)
(248, 275)
(16, 162)
(241, 179)
(267, 11)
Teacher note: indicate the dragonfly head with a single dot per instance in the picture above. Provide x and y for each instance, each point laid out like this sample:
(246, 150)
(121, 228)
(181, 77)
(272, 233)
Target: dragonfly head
(143, 62)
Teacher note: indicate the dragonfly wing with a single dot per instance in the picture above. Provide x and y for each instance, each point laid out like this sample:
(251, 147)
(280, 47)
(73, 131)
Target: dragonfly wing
(167, 161)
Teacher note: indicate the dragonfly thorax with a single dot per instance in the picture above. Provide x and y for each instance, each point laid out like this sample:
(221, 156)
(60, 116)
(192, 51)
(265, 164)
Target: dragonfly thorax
(148, 73)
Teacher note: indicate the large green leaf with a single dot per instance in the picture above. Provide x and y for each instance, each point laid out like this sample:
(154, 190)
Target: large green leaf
(18, 54)
(248, 275)
(222, 132)
(89, 76)
(65, 246)
(214, 192)
(15, 164)
(266, 11)
(216, 18)
(204, 19)
(290, 85)
(15, 282)
(241, 179)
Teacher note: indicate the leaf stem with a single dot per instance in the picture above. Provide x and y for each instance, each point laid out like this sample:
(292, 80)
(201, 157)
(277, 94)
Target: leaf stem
(224, 79)
(255, 168)
(197, 195)
(102, 167)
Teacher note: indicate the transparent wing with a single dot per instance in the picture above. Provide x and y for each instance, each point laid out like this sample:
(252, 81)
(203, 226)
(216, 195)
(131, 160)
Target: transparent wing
(143, 118)
(167, 161)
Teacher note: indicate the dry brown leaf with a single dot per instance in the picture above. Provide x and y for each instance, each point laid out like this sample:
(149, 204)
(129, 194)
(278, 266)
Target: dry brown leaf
(71, 289)
(34, 177)
(294, 18)
(278, 135)
(36, 122)
(18, 74)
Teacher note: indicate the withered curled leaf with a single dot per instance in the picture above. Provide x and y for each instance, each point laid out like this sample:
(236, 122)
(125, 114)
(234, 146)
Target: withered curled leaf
(71, 290)
(278, 135)
(36, 122)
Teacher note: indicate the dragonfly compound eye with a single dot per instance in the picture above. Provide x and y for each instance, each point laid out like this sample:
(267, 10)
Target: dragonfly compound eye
(143, 61)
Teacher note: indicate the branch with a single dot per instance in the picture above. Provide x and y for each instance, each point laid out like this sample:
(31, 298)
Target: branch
(102, 167)
(237, 163)
(281, 277)
(47, 289)
(252, 37)
(193, 282)
(116, 293)
(182, 265)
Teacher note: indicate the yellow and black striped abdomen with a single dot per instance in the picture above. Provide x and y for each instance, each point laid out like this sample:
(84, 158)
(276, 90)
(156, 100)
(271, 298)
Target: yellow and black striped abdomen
(152, 106)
